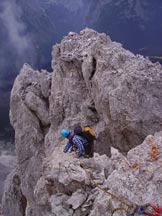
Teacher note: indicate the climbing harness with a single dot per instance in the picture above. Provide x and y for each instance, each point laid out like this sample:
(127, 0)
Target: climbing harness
(141, 210)
(156, 211)
(137, 210)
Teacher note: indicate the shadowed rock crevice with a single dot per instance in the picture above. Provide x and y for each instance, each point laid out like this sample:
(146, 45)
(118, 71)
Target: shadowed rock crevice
(94, 64)
(92, 108)
(91, 112)
(23, 204)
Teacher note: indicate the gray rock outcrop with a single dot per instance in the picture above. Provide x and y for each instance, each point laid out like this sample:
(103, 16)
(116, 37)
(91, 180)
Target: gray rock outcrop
(100, 83)
(99, 185)
(74, 187)
(94, 81)
(14, 202)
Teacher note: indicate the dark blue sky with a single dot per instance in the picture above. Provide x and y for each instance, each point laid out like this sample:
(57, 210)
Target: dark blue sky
(30, 28)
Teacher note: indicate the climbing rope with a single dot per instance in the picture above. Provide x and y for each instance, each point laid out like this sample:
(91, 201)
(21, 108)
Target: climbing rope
(107, 192)
(131, 208)
(118, 209)
(112, 195)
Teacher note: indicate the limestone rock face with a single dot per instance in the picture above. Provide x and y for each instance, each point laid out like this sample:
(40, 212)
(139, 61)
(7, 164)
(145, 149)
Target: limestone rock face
(30, 118)
(139, 176)
(101, 184)
(94, 81)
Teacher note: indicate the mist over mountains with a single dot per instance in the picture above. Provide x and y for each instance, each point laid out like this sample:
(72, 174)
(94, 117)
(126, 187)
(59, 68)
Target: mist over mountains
(30, 28)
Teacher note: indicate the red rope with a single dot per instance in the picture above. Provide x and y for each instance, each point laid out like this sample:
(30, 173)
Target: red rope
(157, 211)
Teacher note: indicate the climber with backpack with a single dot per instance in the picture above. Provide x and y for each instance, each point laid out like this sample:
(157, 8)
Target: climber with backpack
(87, 133)
(80, 139)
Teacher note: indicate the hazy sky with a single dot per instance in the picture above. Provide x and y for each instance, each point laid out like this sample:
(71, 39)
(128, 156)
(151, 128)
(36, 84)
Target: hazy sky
(29, 28)
(15, 28)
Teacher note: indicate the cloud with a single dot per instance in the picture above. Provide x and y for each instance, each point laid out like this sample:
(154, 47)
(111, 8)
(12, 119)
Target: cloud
(72, 5)
(16, 29)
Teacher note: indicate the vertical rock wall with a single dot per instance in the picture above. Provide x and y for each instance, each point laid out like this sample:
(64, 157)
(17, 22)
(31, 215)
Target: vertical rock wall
(30, 118)
(95, 81)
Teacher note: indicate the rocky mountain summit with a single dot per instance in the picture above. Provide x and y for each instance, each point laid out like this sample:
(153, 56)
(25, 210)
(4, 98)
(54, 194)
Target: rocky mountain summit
(94, 81)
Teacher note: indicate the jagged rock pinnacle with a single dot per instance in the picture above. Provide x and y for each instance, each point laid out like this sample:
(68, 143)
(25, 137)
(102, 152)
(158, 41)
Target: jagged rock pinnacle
(94, 81)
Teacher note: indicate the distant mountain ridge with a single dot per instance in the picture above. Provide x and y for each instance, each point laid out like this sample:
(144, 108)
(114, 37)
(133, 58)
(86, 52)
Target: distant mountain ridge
(135, 24)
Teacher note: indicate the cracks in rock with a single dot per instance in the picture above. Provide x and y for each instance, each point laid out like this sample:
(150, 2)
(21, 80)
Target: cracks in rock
(24, 160)
(44, 128)
(95, 116)
(18, 193)
(46, 100)
(92, 108)
(94, 64)
(35, 88)
(23, 204)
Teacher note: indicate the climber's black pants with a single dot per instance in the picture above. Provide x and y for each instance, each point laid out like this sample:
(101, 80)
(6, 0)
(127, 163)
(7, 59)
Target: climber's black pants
(89, 149)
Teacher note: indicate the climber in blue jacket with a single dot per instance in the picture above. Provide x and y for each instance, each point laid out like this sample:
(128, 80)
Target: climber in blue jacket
(74, 141)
